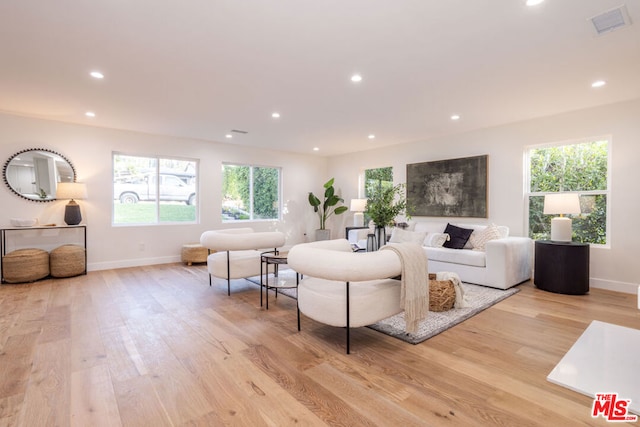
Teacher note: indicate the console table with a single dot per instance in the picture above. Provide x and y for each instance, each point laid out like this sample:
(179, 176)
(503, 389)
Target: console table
(38, 233)
(562, 267)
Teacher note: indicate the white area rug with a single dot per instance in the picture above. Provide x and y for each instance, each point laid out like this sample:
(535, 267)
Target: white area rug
(479, 297)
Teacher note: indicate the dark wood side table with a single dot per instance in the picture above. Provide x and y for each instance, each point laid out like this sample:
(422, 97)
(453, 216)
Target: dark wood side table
(562, 267)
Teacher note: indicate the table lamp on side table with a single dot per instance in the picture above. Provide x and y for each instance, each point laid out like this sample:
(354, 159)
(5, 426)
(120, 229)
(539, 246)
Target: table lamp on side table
(71, 190)
(358, 206)
(562, 203)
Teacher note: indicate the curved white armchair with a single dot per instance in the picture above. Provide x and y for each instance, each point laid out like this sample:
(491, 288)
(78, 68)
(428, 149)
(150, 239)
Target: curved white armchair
(346, 289)
(238, 252)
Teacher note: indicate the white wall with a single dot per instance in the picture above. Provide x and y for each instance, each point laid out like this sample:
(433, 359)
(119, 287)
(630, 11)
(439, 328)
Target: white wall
(90, 150)
(615, 267)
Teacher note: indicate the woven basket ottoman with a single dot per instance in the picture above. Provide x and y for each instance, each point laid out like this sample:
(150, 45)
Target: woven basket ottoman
(194, 253)
(442, 294)
(67, 261)
(25, 265)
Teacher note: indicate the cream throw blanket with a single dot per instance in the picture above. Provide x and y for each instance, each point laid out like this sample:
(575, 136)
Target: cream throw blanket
(414, 286)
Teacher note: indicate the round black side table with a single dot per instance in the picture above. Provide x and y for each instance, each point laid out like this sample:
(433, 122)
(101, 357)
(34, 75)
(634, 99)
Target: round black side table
(562, 267)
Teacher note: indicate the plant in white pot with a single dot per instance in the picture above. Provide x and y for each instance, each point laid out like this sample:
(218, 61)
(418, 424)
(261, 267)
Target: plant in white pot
(325, 208)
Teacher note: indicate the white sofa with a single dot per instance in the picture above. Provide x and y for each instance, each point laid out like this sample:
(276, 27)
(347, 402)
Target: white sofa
(504, 262)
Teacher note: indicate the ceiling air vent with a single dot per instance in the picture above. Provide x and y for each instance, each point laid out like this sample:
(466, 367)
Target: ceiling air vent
(239, 131)
(611, 20)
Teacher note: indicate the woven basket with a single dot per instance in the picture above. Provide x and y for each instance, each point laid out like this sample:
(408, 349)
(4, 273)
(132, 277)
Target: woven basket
(25, 265)
(194, 253)
(67, 261)
(442, 294)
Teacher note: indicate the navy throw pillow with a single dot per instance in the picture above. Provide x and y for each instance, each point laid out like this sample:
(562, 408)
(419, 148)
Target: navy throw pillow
(459, 236)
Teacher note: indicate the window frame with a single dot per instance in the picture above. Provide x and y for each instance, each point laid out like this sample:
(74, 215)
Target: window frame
(158, 158)
(251, 218)
(607, 193)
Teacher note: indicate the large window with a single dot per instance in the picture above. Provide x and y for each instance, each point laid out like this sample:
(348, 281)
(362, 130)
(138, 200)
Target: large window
(250, 193)
(152, 190)
(578, 167)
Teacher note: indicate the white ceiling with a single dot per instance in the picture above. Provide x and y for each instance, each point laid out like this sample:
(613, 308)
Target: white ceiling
(200, 68)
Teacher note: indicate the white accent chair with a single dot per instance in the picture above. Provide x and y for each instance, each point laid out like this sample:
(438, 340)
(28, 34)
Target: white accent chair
(239, 252)
(345, 289)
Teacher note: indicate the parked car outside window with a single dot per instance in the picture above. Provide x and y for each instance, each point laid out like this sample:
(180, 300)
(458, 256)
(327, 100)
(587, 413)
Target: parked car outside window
(143, 188)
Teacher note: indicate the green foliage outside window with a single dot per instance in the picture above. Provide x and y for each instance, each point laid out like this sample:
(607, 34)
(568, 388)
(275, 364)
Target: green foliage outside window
(377, 179)
(384, 200)
(265, 193)
(581, 168)
(250, 192)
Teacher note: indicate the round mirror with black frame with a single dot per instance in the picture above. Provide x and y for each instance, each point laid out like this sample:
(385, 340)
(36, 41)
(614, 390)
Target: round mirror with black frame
(34, 174)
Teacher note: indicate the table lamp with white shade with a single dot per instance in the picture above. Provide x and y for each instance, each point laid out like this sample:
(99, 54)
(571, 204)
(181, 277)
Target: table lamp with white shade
(562, 204)
(358, 206)
(71, 190)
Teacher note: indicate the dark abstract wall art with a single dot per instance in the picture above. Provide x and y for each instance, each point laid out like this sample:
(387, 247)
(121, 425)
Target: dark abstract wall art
(448, 188)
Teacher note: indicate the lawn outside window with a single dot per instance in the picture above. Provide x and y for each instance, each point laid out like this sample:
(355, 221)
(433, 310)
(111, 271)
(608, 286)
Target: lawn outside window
(154, 190)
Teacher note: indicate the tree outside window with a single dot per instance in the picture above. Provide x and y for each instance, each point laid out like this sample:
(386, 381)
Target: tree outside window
(250, 192)
(377, 179)
(581, 168)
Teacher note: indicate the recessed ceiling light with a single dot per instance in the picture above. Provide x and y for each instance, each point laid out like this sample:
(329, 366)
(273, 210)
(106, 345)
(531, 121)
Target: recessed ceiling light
(228, 136)
(96, 75)
(372, 136)
(534, 2)
(316, 149)
(90, 114)
(455, 117)
(275, 115)
(356, 78)
(598, 83)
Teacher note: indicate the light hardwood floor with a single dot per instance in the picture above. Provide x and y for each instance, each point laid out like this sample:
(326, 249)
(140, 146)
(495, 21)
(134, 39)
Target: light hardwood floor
(156, 346)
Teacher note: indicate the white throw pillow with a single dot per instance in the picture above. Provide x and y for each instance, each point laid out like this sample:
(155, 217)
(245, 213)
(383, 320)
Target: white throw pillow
(400, 236)
(436, 240)
(480, 238)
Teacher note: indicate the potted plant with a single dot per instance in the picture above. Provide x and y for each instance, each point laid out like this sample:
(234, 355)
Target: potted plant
(326, 208)
(384, 204)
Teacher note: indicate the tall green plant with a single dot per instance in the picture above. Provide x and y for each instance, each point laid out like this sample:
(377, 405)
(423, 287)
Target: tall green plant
(328, 207)
(384, 204)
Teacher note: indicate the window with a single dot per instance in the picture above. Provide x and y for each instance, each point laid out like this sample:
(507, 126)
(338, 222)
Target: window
(378, 178)
(580, 167)
(152, 190)
(250, 193)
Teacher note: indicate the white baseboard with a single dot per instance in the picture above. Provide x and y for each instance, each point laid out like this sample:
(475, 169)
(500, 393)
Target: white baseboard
(138, 262)
(628, 288)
